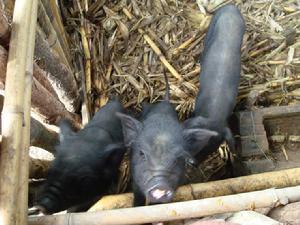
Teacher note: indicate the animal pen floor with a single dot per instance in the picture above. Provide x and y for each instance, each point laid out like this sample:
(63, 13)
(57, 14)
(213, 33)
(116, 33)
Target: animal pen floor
(121, 47)
(124, 62)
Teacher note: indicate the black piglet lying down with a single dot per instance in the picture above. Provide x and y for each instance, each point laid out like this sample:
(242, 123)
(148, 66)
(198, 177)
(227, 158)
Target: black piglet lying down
(86, 162)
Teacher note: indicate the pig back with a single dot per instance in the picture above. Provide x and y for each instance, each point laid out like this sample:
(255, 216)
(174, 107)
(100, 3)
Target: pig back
(107, 120)
(221, 64)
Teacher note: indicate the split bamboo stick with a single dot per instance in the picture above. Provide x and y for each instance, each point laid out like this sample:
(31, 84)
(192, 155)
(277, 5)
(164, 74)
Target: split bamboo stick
(38, 73)
(13, 112)
(24, 157)
(87, 71)
(61, 77)
(55, 18)
(41, 76)
(177, 211)
(51, 34)
(279, 179)
(84, 33)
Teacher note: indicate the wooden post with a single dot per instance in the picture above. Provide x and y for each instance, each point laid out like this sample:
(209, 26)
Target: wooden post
(176, 211)
(13, 112)
(24, 160)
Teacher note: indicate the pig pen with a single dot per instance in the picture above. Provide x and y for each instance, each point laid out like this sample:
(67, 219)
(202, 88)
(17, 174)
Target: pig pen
(101, 48)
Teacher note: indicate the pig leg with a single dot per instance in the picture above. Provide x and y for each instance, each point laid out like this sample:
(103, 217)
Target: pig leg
(235, 162)
(229, 139)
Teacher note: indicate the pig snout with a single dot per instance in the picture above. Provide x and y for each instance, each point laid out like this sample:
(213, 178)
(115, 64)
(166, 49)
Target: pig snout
(159, 192)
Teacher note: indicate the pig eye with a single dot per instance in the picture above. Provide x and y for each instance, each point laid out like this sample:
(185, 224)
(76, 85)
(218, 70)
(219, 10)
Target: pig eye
(142, 154)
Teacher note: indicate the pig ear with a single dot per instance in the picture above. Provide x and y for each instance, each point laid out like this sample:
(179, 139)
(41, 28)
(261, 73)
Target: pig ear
(65, 129)
(199, 137)
(131, 128)
(113, 153)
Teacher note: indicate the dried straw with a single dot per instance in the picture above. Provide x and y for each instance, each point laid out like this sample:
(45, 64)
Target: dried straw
(131, 41)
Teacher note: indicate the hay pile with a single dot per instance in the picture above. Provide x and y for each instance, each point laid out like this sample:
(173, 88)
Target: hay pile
(124, 46)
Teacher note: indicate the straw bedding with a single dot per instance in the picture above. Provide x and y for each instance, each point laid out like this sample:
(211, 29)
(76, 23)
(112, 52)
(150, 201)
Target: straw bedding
(131, 42)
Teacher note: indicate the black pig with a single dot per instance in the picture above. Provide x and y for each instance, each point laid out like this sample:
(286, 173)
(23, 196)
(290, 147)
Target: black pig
(86, 162)
(219, 80)
(158, 151)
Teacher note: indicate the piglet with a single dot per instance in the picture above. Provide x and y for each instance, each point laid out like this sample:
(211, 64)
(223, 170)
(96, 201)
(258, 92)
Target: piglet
(219, 81)
(158, 147)
(86, 162)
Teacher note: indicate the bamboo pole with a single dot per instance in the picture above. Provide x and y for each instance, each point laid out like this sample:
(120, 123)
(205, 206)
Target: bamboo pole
(176, 211)
(50, 109)
(279, 179)
(62, 79)
(24, 166)
(13, 112)
(87, 71)
(38, 73)
(51, 34)
(41, 76)
(84, 31)
(43, 102)
(55, 18)
(63, 82)
(41, 136)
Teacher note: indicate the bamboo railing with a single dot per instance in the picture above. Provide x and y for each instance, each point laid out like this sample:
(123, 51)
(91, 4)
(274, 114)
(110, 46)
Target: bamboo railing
(24, 157)
(13, 113)
(176, 211)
